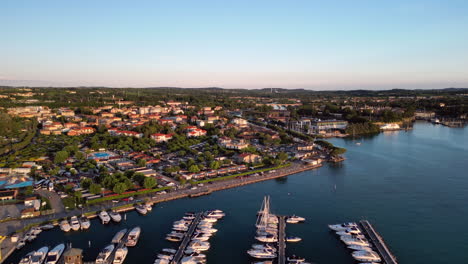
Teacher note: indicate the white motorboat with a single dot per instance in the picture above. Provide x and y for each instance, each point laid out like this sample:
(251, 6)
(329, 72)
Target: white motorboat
(354, 241)
(161, 261)
(47, 227)
(363, 255)
(27, 258)
(165, 256)
(115, 216)
(120, 255)
(74, 223)
(133, 236)
(342, 227)
(197, 246)
(217, 214)
(118, 236)
(295, 259)
(169, 251)
(209, 220)
(264, 247)
(291, 221)
(296, 218)
(84, 223)
(262, 253)
(173, 238)
(65, 226)
(141, 209)
(104, 216)
(149, 206)
(293, 239)
(36, 231)
(21, 244)
(103, 256)
(349, 231)
(207, 230)
(54, 255)
(267, 239)
(359, 248)
(39, 256)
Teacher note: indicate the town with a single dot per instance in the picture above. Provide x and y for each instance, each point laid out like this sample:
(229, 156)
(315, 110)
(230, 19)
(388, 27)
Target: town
(72, 150)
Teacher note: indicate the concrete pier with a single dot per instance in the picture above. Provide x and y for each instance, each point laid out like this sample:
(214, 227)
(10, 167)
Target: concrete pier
(180, 251)
(281, 239)
(377, 241)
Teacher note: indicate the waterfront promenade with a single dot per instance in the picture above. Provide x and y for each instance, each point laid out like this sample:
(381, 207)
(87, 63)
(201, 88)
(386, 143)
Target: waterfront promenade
(9, 227)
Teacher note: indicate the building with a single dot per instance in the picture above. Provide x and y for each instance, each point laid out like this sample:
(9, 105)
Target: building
(73, 256)
(158, 137)
(8, 195)
(193, 131)
(29, 212)
(232, 143)
(81, 131)
(248, 158)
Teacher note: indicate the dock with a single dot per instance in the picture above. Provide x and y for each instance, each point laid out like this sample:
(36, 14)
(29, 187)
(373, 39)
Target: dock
(376, 239)
(281, 239)
(180, 251)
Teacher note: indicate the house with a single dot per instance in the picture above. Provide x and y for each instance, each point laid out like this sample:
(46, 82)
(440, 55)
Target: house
(29, 212)
(8, 195)
(73, 256)
(81, 131)
(193, 131)
(232, 143)
(248, 158)
(158, 137)
(29, 202)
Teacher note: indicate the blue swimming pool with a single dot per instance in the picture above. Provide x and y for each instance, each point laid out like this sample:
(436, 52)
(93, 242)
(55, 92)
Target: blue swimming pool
(20, 185)
(101, 155)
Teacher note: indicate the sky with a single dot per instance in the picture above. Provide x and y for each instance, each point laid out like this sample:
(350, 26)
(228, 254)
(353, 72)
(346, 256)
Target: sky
(411, 44)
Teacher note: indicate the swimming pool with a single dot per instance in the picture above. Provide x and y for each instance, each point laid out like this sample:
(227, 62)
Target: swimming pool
(100, 155)
(19, 185)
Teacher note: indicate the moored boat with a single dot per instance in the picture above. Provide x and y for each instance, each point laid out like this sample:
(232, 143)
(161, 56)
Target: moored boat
(120, 255)
(65, 226)
(104, 216)
(74, 223)
(133, 236)
(115, 216)
(39, 256)
(84, 222)
(103, 256)
(27, 258)
(118, 236)
(141, 209)
(363, 255)
(54, 255)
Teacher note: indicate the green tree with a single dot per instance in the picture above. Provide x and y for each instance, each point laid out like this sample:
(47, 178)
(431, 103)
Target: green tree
(149, 182)
(95, 188)
(141, 163)
(60, 156)
(282, 156)
(214, 165)
(119, 188)
(194, 169)
(85, 183)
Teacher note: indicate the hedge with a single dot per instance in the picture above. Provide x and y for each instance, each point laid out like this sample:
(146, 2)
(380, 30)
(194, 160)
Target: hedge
(242, 174)
(108, 198)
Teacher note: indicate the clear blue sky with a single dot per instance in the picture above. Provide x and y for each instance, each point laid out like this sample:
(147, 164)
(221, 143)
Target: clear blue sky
(242, 44)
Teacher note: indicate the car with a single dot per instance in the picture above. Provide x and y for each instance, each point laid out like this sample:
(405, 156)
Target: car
(115, 201)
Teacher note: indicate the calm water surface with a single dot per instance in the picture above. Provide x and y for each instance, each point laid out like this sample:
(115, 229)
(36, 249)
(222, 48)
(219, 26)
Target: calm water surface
(412, 185)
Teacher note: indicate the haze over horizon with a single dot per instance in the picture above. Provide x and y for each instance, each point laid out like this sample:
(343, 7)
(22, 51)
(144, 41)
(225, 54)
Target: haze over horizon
(242, 44)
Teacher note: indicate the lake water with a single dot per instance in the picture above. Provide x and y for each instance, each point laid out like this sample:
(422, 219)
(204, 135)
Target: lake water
(411, 185)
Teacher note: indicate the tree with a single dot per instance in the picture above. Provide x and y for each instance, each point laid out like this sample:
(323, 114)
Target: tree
(139, 177)
(141, 163)
(337, 151)
(119, 188)
(149, 182)
(29, 190)
(214, 165)
(85, 183)
(95, 188)
(60, 156)
(194, 169)
(282, 156)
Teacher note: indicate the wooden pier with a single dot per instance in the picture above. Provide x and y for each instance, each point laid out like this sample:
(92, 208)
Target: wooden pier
(378, 242)
(281, 239)
(180, 251)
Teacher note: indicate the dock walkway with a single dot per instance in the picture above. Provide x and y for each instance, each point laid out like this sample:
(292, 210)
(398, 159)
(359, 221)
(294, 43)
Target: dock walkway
(281, 240)
(378, 242)
(180, 251)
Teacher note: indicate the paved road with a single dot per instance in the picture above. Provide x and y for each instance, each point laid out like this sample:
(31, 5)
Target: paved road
(55, 200)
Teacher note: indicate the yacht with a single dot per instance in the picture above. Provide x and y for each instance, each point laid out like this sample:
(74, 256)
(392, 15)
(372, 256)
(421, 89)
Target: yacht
(217, 214)
(141, 209)
(291, 221)
(74, 223)
(296, 218)
(363, 255)
(27, 258)
(267, 238)
(173, 238)
(120, 255)
(264, 246)
(359, 248)
(105, 219)
(39, 256)
(262, 253)
(197, 246)
(165, 256)
(201, 237)
(54, 255)
(118, 236)
(133, 236)
(207, 230)
(47, 227)
(65, 226)
(349, 231)
(342, 227)
(295, 259)
(169, 251)
(354, 241)
(149, 206)
(36, 231)
(161, 261)
(104, 254)
(84, 223)
(293, 239)
(115, 216)
(21, 244)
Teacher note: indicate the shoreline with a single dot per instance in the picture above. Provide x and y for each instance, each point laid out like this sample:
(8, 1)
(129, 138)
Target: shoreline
(8, 247)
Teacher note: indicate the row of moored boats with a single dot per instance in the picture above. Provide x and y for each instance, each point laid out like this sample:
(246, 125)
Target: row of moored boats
(43, 255)
(202, 232)
(351, 235)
